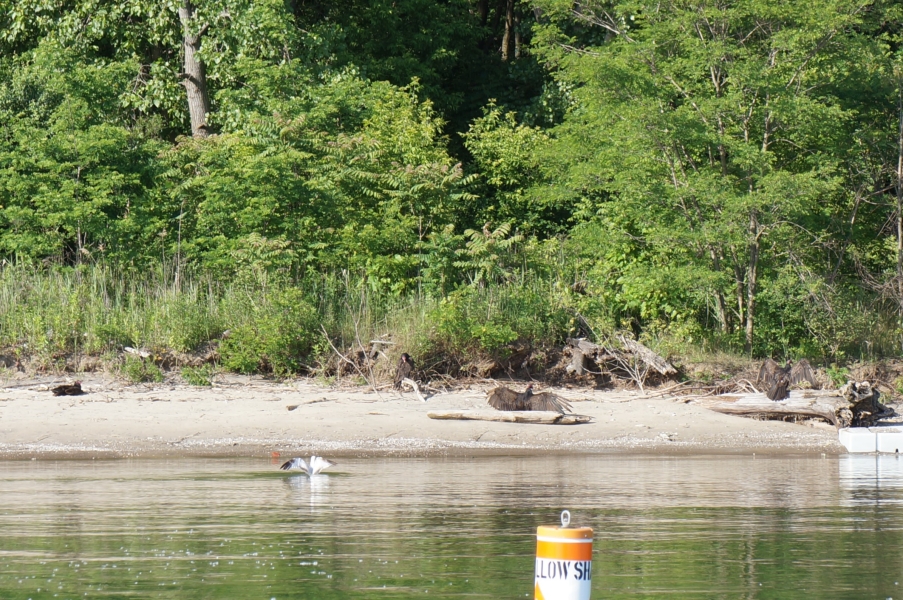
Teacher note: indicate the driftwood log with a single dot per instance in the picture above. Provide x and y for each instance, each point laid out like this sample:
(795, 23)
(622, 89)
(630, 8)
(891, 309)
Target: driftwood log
(608, 358)
(659, 364)
(512, 416)
(413, 385)
(831, 406)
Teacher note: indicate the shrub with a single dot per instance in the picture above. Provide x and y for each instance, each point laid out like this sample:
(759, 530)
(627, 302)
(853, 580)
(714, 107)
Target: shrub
(141, 370)
(199, 376)
(110, 336)
(488, 320)
(838, 375)
(275, 334)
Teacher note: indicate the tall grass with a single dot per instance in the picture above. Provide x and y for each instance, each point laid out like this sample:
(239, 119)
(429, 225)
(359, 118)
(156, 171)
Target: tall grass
(43, 313)
(50, 314)
(46, 315)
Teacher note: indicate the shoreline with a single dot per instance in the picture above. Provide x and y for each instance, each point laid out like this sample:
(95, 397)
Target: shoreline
(253, 417)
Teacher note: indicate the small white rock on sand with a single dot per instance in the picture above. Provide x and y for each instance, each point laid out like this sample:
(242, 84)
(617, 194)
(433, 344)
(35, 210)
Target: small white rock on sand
(242, 416)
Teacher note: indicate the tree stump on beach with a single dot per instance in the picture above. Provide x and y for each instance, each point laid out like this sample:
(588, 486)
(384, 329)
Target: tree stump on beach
(864, 409)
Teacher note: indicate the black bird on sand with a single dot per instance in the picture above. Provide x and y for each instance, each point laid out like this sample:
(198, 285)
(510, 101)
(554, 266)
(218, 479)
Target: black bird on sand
(74, 389)
(405, 367)
(779, 379)
(501, 398)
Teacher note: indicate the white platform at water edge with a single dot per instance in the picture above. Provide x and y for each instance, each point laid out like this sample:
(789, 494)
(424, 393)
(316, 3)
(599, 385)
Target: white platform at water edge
(872, 439)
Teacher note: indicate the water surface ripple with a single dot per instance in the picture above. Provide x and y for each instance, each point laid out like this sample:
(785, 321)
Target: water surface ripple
(676, 527)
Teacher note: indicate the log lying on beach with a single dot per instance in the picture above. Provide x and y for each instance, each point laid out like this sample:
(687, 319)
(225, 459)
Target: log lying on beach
(511, 416)
(823, 404)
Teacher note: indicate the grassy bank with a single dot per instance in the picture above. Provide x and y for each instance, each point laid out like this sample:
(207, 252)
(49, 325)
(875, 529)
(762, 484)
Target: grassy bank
(84, 318)
(52, 319)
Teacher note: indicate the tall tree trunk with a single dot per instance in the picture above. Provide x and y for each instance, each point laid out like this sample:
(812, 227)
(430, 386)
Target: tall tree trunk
(720, 304)
(517, 39)
(751, 280)
(497, 17)
(483, 11)
(194, 75)
(899, 190)
(508, 39)
(739, 288)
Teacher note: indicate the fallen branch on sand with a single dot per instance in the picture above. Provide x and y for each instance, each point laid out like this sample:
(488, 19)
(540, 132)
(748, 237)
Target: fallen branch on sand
(291, 407)
(370, 380)
(513, 416)
(413, 384)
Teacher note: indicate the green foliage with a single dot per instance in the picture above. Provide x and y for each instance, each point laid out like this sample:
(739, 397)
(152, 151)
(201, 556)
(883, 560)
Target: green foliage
(487, 255)
(299, 192)
(200, 376)
(141, 370)
(487, 320)
(506, 154)
(838, 375)
(710, 152)
(716, 174)
(271, 334)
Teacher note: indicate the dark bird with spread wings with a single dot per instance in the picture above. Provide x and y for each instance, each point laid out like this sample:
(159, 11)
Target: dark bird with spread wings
(501, 398)
(404, 369)
(779, 379)
(74, 389)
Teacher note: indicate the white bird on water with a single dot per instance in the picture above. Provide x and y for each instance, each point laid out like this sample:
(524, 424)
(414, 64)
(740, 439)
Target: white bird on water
(317, 464)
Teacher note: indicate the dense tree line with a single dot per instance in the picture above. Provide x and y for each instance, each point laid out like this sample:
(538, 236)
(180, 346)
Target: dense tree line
(720, 172)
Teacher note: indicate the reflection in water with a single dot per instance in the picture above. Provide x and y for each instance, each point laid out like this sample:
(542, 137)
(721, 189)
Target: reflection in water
(694, 527)
(872, 478)
(313, 490)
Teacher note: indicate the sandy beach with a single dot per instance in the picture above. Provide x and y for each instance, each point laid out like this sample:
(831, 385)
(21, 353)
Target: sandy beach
(247, 416)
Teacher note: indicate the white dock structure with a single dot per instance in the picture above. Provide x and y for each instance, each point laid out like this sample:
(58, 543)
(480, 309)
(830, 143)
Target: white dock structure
(885, 439)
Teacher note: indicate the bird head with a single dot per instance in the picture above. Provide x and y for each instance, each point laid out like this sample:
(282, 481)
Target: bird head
(405, 357)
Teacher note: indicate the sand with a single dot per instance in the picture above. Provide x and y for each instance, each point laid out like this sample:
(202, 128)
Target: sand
(247, 416)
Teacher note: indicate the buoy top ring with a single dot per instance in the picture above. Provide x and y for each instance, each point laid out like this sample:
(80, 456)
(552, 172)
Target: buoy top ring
(565, 518)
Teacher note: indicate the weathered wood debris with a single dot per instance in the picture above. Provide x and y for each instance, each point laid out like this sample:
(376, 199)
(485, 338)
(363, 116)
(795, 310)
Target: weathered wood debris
(629, 358)
(854, 405)
(864, 409)
(514, 416)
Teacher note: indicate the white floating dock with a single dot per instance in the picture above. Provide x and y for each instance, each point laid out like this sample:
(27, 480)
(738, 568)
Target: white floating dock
(872, 439)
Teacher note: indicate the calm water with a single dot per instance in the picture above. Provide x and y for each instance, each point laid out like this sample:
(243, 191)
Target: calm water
(699, 527)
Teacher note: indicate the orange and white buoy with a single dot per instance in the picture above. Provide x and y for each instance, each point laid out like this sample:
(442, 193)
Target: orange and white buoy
(564, 561)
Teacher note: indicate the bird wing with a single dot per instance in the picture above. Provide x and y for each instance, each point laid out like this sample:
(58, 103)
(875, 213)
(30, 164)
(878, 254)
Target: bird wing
(802, 371)
(768, 371)
(318, 463)
(501, 398)
(296, 463)
(548, 401)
